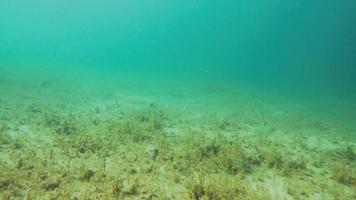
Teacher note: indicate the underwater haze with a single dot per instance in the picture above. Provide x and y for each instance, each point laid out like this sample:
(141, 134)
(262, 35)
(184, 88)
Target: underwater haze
(177, 99)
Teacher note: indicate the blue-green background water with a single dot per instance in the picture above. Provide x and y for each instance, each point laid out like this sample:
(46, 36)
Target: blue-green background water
(177, 99)
(305, 47)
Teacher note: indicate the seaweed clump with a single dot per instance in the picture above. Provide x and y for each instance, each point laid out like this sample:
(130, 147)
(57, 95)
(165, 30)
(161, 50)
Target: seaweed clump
(345, 175)
(209, 151)
(61, 125)
(216, 188)
(5, 183)
(87, 175)
(79, 145)
(348, 154)
(122, 188)
(34, 110)
(152, 117)
(5, 139)
(141, 125)
(51, 185)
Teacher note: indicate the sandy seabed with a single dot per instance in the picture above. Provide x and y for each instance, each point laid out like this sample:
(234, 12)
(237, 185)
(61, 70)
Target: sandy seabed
(133, 143)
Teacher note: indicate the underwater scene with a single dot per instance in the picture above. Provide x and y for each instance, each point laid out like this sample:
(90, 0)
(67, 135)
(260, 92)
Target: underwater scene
(178, 99)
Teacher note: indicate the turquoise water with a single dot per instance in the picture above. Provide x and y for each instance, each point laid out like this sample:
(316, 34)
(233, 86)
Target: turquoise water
(304, 50)
(242, 69)
(302, 43)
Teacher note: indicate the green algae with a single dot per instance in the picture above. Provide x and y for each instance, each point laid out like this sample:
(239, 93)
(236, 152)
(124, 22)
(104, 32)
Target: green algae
(147, 151)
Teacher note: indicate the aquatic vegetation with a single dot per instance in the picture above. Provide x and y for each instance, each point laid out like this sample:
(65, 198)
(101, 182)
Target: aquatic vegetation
(131, 187)
(5, 182)
(276, 161)
(67, 126)
(63, 125)
(348, 153)
(34, 109)
(197, 189)
(344, 174)
(117, 187)
(186, 100)
(151, 118)
(51, 119)
(2, 127)
(209, 151)
(140, 126)
(149, 152)
(50, 185)
(5, 138)
(87, 174)
(81, 144)
(294, 166)
(216, 188)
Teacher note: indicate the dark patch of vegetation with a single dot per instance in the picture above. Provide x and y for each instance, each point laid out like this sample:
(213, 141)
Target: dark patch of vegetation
(67, 127)
(34, 109)
(209, 151)
(5, 139)
(276, 161)
(344, 174)
(117, 187)
(155, 153)
(5, 182)
(224, 124)
(139, 126)
(132, 130)
(216, 190)
(151, 118)
(347, 154)
(132, 187)
(294, 166)
(77, 145)
(51, 185)
(61, 125)
(231, 166)
(87, 175)
(51, 119)
(197, 189)
(248, 163)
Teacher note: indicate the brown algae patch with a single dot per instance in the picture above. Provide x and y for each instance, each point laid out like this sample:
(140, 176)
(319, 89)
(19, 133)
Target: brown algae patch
(155, 153)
